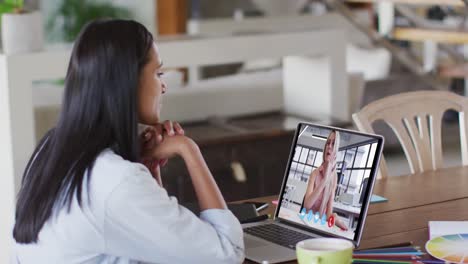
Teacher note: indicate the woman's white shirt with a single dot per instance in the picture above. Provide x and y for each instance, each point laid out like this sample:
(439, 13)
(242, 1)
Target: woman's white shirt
(126, 217)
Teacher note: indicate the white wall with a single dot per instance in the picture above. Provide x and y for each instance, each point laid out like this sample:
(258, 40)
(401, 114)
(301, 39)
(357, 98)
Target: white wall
(7, 200)
(144, 11)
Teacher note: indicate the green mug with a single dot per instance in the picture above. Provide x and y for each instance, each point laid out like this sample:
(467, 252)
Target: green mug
(324, 251)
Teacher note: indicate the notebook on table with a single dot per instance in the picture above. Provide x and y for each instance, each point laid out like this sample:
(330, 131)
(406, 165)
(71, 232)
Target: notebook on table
(442, 228)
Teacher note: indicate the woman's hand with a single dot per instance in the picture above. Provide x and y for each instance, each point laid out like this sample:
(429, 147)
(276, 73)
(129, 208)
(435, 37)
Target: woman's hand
(150, 138)
(154, 135)
(328, 168)
(206, 189)
(177, 145)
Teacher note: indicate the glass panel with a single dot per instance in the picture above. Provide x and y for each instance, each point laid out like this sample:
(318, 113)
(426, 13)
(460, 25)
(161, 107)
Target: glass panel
(294, 166)
(356, 178)
(292, 171)
(300, 167)
(310, 159)
(318, 159)
(340, 155)
(305, 177)
(366, 174)
(346, 177)
(297, 153)
(350, 157)
(338, 165)
(304, 154)
(371, 155)
(343, 182)
(308, 170)
(361, 157)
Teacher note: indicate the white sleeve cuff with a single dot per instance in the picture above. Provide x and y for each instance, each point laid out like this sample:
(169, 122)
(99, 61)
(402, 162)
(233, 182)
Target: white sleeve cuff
(224, 221)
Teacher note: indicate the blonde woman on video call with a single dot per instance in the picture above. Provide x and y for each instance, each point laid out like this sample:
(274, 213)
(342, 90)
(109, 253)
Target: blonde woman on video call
(320, 192)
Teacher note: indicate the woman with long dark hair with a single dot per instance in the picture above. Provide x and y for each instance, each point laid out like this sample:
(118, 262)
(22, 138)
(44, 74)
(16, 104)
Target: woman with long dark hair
(86, 197)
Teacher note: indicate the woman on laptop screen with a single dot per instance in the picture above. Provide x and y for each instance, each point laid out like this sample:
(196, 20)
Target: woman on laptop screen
(320, 192)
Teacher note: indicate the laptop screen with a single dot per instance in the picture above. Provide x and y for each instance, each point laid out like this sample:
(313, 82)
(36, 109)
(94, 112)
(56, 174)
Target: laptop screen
(329, 176)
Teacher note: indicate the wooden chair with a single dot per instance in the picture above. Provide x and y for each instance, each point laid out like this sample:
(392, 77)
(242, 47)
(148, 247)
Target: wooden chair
(416, 119)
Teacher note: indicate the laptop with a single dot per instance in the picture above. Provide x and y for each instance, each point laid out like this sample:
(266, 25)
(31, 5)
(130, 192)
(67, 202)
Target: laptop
(322, 195)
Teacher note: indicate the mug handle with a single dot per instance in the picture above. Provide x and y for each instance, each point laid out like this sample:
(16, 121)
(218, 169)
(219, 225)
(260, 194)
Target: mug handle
(315, 260)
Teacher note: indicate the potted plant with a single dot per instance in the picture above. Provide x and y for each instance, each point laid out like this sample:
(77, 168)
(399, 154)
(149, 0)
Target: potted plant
(21, 30)
(70, 16)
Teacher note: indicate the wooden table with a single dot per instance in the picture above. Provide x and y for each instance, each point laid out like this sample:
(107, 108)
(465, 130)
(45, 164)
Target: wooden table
(413, 200)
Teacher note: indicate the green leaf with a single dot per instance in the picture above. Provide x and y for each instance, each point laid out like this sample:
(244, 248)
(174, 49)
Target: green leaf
(74, 14)
(14, 3)
(6, 8)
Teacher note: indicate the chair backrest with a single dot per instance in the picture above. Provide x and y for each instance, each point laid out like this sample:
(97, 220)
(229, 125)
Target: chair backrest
(416, 120)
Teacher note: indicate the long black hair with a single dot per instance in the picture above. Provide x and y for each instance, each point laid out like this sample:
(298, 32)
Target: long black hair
(99, 111)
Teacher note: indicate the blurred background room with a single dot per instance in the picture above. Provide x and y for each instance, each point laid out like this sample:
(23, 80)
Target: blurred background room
(241, 74)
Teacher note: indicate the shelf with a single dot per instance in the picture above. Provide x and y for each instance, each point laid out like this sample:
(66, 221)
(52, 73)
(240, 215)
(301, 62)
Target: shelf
(414, 2)
(441, 36)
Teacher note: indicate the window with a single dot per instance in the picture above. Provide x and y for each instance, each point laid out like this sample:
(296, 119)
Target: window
(300, 167)
(318, 159)
(356, 178)
(349, 156)
(357, 158)
(372, 150)
(305, 161)
(293, 170)
(311, 158)
(297, 152)
(358, 161)
(304, 154)
(340, 155)
(361, 157)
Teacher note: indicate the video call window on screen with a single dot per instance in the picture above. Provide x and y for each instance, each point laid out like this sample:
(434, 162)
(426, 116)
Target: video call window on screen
(357, 162)
(354, 156)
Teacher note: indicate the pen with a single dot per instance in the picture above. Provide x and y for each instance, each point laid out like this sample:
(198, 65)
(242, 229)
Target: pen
(388, 250)
(404, 244)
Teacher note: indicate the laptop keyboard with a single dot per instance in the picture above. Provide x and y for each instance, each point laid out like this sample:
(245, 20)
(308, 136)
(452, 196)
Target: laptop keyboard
(277, 234)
